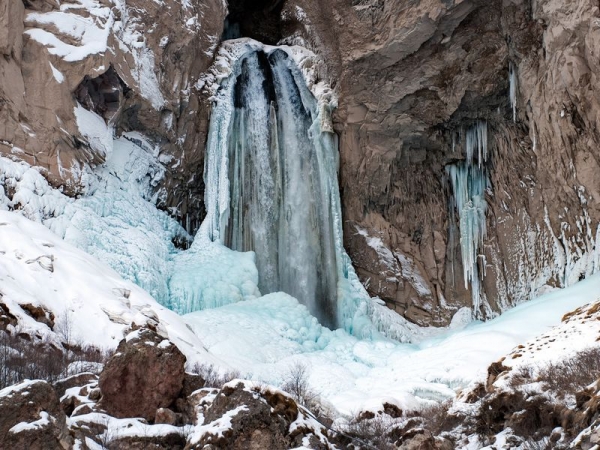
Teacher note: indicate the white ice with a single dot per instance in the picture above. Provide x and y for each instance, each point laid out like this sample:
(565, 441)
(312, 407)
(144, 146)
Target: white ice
(265, 336)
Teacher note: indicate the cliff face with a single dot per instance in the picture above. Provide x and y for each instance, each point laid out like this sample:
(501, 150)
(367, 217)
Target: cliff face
(411, 78)
(137, 64)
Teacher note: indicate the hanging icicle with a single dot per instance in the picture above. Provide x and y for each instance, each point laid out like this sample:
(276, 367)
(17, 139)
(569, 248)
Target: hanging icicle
(512, 89)
(469, 182)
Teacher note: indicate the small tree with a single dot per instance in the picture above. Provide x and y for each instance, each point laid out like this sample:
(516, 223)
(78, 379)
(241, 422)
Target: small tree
(296, 384)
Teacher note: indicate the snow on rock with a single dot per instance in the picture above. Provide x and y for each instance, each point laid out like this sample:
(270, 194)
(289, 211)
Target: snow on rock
(84, 28)
(83, 293)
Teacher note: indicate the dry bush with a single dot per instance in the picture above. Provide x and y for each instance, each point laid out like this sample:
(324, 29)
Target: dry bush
(22, 357)
(212, 376)
(572, 374)
(370, 431)
(520, 376)
(436, 418)
(296, 384)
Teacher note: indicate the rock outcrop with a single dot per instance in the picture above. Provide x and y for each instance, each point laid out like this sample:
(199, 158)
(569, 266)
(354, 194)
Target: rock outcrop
(143, 399)
(106, 57)
(31, 417)
(145, 374)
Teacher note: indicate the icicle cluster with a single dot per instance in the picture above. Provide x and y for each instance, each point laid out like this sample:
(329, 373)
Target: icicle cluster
(476, 143)
(469, 182)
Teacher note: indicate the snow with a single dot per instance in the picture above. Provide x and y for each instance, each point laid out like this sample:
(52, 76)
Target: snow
(264, 337)
(84, 28)
(93, 127)
(81, 291)
(21, 387)
(117, 220)
(216, 428)
(29, 426)
(89, 33)
(124, 428)
(58, 76)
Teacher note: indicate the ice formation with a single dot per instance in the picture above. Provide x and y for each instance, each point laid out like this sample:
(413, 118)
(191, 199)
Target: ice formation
(512, 82)
(271, 188)
(116, 220)
(469, 182)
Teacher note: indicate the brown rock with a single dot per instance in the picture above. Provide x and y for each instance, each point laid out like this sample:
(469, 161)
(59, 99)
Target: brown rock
(39, 314)
(80, 379)
(145, 373)
(262, 420)
(31, 418)
(165, 415)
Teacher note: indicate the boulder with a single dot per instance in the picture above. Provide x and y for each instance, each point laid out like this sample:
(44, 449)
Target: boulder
(145, 373)
(31, 418)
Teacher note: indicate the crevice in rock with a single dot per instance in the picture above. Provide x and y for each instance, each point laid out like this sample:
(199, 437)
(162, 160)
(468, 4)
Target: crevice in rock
(102, 94)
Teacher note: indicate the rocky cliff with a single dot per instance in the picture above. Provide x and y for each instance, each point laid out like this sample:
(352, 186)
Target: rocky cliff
(412, 78)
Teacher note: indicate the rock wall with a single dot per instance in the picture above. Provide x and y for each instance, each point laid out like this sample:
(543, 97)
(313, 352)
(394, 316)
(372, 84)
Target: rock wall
(135, 63)
(411, 77)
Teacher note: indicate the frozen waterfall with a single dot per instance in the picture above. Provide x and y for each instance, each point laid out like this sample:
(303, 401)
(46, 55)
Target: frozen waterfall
(271, 184)
(469, 182)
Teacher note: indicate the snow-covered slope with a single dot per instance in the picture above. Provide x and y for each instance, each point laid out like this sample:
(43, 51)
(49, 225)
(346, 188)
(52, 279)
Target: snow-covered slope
(85, 295)
(117, 220)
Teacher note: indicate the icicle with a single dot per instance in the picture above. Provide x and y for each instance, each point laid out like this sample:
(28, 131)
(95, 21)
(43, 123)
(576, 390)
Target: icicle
(469, 183)
(512, 81)
(476, 142)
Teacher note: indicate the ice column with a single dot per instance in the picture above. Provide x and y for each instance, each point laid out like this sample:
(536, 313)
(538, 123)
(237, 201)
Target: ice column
(469, 182)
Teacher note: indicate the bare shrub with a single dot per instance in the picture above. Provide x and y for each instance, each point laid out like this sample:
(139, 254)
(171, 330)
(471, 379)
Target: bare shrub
(212, 376)
(296, 384)
(436, 418)
(572, 374)
(520, 376)
(23, 357)
(370, 431)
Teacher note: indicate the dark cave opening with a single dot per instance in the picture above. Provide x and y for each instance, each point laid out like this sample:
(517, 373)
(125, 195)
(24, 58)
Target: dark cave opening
(102, 94)
(257, 19)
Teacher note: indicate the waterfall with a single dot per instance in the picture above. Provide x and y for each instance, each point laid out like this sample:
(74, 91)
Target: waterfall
(469, 182)
(271, 184)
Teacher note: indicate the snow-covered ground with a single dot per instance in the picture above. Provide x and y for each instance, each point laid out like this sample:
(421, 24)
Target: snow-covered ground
(266, 336)
(91, 303)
